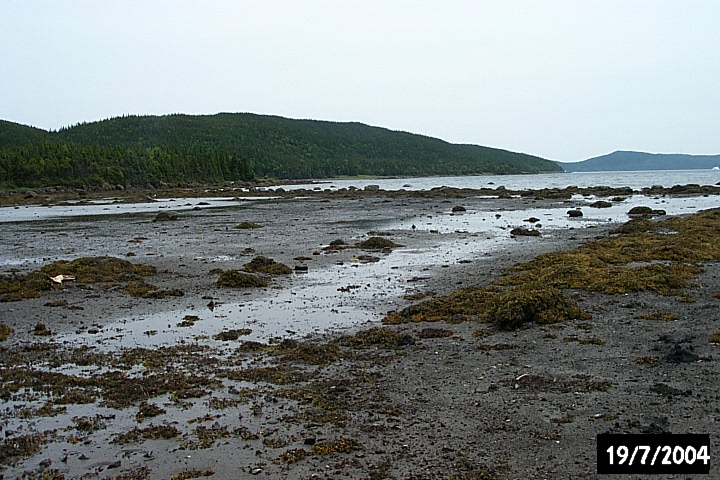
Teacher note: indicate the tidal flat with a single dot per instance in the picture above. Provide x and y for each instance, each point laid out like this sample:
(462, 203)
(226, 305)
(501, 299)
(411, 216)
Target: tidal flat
(405, 337)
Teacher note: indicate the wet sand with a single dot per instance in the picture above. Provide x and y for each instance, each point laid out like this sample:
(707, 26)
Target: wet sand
(316, 399)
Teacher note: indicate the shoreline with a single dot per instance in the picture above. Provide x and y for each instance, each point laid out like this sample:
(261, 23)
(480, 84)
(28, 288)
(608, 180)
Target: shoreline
(416, 400)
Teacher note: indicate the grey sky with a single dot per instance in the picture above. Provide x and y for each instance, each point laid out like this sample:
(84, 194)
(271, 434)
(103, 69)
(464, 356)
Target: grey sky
(563, 79)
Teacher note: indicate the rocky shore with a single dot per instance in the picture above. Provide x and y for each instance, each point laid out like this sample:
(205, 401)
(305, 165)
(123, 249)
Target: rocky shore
(414, 368)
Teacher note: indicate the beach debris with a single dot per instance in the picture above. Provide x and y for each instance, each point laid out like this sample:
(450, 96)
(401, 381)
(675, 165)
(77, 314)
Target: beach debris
(59, 279)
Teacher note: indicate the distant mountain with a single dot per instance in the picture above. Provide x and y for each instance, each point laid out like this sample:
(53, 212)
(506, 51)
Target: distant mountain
(163, 148)
(634, 161)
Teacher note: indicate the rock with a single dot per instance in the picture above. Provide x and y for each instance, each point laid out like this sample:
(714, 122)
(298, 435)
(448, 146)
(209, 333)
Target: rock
(575, 213)
(524, 232)
(459, 208)
(645, 211)
(601, 204)
(301, 268)
(165, 217)
(338, 242)
(238, 279)
(30, 194)
(372, 188)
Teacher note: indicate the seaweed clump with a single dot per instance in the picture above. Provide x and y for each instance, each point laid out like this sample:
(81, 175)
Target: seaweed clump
(137, 435)
(377, 243)
(467, 304)
(312, 354)
(381, 336)
(340, 445)
(238, 279)
(229, 335)
(5, 331)
(247, 226)
(655, 256)
(533, 303)
(85, 270)
(148, 290)
(267, 265)
(20, 447)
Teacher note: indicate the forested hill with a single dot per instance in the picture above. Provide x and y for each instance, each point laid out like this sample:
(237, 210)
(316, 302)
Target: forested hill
(175, 148)
(637, 161)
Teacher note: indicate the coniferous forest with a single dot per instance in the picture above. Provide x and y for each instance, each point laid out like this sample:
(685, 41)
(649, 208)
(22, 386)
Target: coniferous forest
(179, 149)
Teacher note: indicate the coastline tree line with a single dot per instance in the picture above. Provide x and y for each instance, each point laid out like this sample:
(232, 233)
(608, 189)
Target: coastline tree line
(140, 150)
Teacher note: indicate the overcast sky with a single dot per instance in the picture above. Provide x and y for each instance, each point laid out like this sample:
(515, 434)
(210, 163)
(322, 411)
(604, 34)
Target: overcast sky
(564, 79)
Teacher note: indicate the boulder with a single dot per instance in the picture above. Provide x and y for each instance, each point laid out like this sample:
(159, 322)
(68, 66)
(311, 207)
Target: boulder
(643, 211)
(575, 213)
(524, 232)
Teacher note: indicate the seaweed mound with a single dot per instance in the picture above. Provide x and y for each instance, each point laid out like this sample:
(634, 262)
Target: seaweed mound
(247, 226)
(165, 217)
(5, 331)
(533, 303)
(238, 279)
(377, 243)
(84, 270)
(267, 265)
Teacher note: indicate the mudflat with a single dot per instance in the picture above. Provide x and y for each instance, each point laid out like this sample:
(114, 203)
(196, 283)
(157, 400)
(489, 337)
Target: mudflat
(406, 338)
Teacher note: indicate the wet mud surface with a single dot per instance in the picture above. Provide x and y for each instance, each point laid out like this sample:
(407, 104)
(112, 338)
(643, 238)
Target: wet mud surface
(302, 379)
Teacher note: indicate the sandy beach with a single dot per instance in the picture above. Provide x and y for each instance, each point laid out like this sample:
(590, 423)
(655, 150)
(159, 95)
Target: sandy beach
(302, 379)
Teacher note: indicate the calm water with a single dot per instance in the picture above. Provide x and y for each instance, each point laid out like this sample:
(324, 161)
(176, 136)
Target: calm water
(634, 180)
